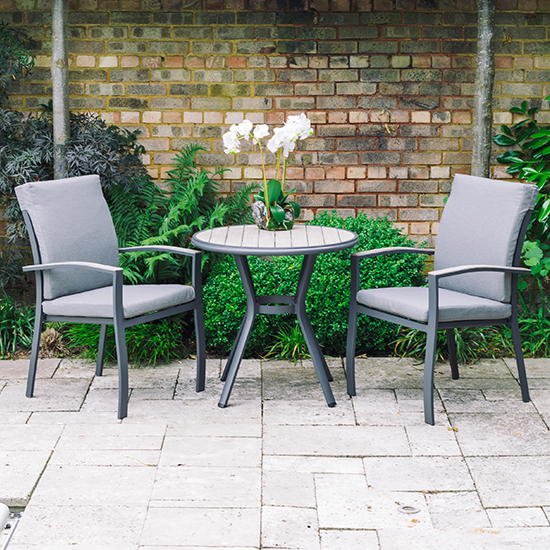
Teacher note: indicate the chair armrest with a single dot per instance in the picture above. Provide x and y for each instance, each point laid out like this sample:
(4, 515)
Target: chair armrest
(84, 265)
(356, 257)
(458, 270)
(391, 250)
(162, 248)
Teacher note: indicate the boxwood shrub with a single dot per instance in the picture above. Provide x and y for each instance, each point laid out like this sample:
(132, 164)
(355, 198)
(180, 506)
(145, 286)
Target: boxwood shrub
(327, 302)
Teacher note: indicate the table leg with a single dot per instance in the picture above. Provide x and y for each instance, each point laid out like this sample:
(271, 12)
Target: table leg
(232, 353)
(317, 356)
(237, 352)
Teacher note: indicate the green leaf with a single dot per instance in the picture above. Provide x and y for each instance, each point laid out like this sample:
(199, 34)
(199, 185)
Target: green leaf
(501, 139)
(277, 212)
(295, 208)
(506, 130)
(273, 191)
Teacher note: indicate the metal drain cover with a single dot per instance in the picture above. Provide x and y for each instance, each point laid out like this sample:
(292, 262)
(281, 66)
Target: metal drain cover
(9, 522)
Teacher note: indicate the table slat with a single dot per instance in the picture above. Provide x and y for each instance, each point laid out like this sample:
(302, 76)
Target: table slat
(266, 239)
(315, 235)
(298, 236)
(235, 235)
(251, 236)
(331, 234)
(219, 235)
(282, 239)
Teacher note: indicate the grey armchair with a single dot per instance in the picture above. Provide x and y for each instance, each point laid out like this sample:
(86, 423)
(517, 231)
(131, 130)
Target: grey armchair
(78, 278)
(474, 283)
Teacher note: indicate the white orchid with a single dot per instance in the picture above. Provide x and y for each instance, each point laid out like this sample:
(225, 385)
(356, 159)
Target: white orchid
(282, 143)
(261, 131)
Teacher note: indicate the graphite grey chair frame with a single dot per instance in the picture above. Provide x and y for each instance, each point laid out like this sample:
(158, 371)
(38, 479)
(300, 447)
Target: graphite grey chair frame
(117, 320)
(434, 324)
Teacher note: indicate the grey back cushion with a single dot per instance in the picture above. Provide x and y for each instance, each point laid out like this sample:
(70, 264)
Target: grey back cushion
(480, 225)
(72, 222)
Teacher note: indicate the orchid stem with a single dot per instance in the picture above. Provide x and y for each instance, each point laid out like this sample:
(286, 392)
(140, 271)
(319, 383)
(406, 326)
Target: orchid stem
(265, 181)
(284, 177)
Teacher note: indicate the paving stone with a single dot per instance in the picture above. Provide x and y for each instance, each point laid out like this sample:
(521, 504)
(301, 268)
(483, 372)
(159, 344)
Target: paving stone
(454, 539)
(102, 400)
(308, 412)
(172, 547)
(17, 417)
(49, 395)
(289, 527)
(17, 437)
(345, 540)
(11, 369)
(313, 464)
(418, 473)
(191, 411)
(243, 388)
(288, 488)
(438, 440)
(75, 368)
(296, 383)
(335, 440)
(382, 408)
(19, 472)
(486, 368)
(346, 502)
(139, 377)
(196, 474)
(387, 373)
(54, 527)
(90, 485)
(77, 417)
(501, 434)
(517, 517)
(240, 452)
(188, 487)
(512, 481)
(534, 367)
(485, 401)
(185, 428)
(454, 510)
(94, 457)
(195, 527)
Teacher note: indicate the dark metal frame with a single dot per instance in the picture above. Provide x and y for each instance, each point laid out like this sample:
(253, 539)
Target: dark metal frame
(434, 324)
(267, 305)
(117, 320)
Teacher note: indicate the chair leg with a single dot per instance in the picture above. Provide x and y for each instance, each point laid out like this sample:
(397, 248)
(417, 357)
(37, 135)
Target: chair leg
(519, 360)
(429, 367)
(101, 350)
(122, 357)
(38, 321)
(201, 348)
(451, 347)
(350, 351)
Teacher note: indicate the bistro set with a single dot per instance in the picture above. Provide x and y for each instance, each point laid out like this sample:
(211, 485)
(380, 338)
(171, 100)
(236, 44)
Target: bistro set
(474, 281)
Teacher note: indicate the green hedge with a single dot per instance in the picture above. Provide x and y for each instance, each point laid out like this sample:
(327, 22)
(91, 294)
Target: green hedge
(327, 301)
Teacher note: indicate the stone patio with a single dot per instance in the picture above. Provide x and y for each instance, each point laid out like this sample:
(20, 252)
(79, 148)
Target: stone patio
(277, 468)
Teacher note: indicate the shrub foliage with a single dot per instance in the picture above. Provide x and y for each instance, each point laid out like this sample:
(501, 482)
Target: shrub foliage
(327, 301)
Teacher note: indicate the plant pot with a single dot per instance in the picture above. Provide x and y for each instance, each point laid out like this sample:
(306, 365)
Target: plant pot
(259, 213)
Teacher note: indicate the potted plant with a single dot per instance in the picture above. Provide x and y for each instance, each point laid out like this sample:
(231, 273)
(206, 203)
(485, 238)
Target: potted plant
(273, 209)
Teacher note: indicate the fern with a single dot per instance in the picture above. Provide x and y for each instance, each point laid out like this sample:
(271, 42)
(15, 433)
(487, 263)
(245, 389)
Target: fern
(144, 215)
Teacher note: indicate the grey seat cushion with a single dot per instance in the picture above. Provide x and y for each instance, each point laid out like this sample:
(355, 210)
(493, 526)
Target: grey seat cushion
(412, 303)
(137, 300)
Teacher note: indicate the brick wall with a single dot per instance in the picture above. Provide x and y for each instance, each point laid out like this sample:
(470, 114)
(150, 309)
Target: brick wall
(387, 84)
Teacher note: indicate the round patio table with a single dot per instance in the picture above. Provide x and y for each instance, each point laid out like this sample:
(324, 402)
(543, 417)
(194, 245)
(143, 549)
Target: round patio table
(249, 240)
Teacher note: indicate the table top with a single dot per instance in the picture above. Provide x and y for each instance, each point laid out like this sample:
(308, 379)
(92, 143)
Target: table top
(250, 240)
